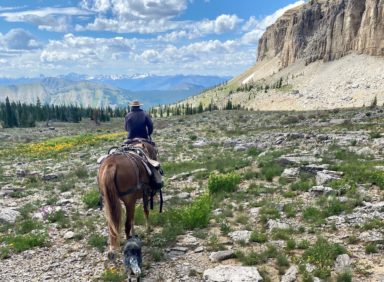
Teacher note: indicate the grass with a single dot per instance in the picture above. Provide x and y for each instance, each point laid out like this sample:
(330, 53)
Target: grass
(259, 237)
(375, 223)
(323, 254)
(20, 243)
(269, 211)
(313, 215)
(27, 225)
(255, 258)
(223, 182)
(344, 277)
(91, 198)
(98, 241)
(60, 218)
(175, 221)
(113, 275)
(371, 248)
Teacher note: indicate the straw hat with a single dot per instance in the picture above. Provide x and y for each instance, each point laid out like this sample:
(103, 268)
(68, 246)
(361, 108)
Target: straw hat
(135, 103)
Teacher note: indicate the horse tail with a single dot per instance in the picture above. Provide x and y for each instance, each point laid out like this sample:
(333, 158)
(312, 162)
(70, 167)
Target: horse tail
(112, 201)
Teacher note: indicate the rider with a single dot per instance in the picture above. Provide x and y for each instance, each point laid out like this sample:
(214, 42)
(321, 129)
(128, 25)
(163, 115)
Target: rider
(139, 125)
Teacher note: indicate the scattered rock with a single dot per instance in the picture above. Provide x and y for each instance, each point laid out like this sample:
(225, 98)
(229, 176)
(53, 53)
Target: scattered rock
(69, 235)
(8, 215)
(290, 275)
(232, 274)
(274, 224)
(50, 177)
(222, 255)
(241, 235)
(290, 172)
(342, 263)
(321, 190)
(325, 176)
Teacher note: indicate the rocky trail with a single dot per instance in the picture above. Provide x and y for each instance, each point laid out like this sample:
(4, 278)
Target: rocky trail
(252, 196)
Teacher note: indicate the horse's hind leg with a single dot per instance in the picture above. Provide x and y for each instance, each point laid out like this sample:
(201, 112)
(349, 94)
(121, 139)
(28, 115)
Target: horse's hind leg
(146, 213)
(129, 222)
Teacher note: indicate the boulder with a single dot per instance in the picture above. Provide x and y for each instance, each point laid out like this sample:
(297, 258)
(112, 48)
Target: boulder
(241, 235)
(325, 176)
(290, 275)
(290, 172)
(8, 215)
(221, 255)
(232, 273)
(342, 263)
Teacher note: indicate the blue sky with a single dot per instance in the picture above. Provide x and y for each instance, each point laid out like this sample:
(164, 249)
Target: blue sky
(163, 37)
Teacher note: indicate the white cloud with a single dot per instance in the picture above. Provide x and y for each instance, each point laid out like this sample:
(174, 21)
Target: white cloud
(142, 9)
(51, 19)
(18, 39)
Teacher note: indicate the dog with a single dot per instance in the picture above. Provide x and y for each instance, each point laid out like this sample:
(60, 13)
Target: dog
(132, 257)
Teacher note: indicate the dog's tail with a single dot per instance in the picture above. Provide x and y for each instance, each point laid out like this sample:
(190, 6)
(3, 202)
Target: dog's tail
(112, 203)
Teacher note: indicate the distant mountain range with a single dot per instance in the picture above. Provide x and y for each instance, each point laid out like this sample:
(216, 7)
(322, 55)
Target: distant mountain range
(103, 90)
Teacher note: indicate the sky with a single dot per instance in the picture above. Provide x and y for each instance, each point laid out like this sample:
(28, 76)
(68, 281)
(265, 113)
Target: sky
(127, 37)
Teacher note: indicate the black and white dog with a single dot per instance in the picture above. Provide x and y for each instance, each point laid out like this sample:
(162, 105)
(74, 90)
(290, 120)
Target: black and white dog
(132, 257)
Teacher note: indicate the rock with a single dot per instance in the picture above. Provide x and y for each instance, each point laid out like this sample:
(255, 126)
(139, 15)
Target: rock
(199, 249)
(321, 190)
(49, 177)
(187, 241)
(297, 159)
(274, 224)
(365, 151)
(290, 275)
(184, 174)
(313, 168)
(254, 212)
(240, 148)
(290, 172)
(69, 235)
(342, 263)
(183, 195)
(221, 255)
(241, 235)
(325, 176)
(8, 215)
(217, 211)
(200, 144)
(233, 273)
(44, 212)
(302, 34)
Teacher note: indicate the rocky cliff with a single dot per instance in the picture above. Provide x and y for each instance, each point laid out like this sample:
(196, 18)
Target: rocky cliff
(325, 30)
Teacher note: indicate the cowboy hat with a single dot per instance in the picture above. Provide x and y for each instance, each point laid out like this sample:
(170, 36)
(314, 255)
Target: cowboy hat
(135, 103)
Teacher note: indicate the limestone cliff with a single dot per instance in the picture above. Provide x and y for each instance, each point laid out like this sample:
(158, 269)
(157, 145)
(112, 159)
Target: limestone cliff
(325, 30)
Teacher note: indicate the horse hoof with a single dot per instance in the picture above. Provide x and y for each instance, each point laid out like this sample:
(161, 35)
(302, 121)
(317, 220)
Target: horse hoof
(111, 255)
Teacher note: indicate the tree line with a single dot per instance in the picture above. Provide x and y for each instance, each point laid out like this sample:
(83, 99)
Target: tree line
(189, 109)
(17, 114)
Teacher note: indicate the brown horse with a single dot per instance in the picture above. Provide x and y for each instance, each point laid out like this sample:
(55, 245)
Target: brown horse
(124, 178)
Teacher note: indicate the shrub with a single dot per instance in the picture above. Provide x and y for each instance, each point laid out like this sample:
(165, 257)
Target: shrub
(271, 170)
(81, 172)
(60, 218)
(223, 182)
(113, 275)
(313, 215)
(27, 226)
(20, 243)
(269, 211)
(91, 198)
(97, 241)
(371, 248)
(344, 277)
(323, 254)
(258, 237)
